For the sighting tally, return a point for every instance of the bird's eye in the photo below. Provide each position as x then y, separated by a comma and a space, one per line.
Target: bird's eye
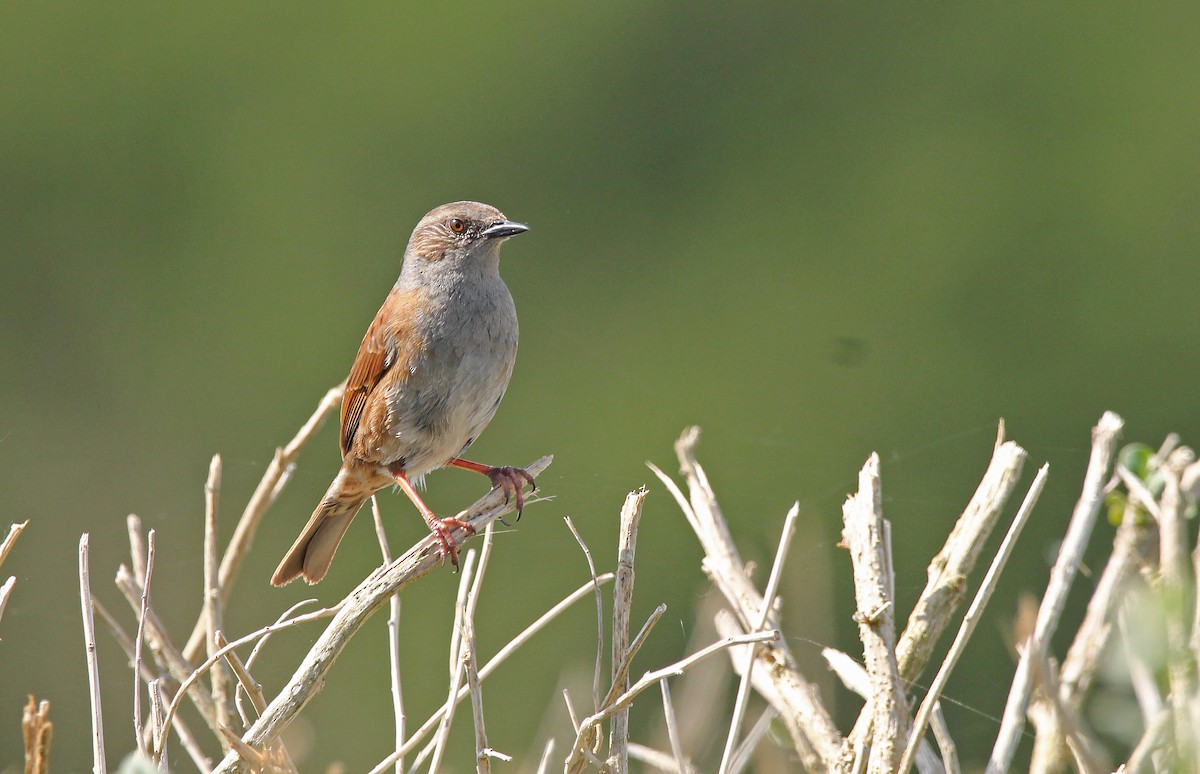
457, 226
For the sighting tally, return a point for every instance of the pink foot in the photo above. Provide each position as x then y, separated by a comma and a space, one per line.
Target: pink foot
441, 530
512, 482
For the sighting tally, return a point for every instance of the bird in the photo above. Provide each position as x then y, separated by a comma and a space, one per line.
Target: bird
430, 373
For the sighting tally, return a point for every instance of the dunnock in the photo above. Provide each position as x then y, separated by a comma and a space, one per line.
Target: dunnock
428, 378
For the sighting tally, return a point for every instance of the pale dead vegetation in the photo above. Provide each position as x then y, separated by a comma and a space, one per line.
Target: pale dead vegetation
901, 724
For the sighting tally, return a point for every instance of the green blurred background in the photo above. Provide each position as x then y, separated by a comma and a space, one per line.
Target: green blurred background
816, 231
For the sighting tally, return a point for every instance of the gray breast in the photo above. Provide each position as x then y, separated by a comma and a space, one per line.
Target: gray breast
456, 385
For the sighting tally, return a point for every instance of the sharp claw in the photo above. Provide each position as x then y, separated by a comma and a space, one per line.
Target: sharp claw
449, 550
511, 481
441, 530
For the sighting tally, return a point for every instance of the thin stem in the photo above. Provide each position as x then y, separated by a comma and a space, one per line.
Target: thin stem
148, 570
393, 626
501, 656
599, 613
743, 694
972, 617
93, 668
1062, 574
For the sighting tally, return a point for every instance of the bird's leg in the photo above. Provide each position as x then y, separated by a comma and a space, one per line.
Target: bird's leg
507, 479
440, 527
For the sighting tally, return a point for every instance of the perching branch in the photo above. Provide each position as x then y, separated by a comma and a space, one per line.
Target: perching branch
370, 595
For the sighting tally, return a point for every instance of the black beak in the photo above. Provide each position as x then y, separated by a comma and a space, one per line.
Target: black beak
503, 229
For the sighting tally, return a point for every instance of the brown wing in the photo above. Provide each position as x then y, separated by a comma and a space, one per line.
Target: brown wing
389, 342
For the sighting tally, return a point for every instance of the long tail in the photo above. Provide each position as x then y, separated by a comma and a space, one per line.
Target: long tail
312, 553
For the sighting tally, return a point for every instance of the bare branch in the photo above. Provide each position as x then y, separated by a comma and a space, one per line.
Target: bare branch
137, 547
743, 694
10, 540
483, 753
571, 713
216, 657
6, 589
354, 611
547, 753
945, 744
1141, 760
654, 758
203, 764
1104, 441
599, 613
741, 756
1177, 589
589, 727
14, 531
864, 535
631, 514
1132, 547
147, 564
281, 761
672, 728
973, 615
949, 570
393, 638
157, 721
164, 650
89, 640
814, 736
213, 614
442, 737
1082, 746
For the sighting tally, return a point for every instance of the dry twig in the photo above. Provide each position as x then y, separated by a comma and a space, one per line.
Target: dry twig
1132, 547
974, 613
757, 732
501, 656
599, 613
1177, 592
672, 728
949, 570
147, 565
213, 615
89, 641
442, 737
631, 514
945, 744
589, 726
38, 731
483, 753
1104, 441
816, 739
743, 694
14, 531
165, 653
6, 545
353, 612
393, 625
865, 535
203, 764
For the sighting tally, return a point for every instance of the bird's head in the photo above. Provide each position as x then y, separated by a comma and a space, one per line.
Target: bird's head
460, 236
